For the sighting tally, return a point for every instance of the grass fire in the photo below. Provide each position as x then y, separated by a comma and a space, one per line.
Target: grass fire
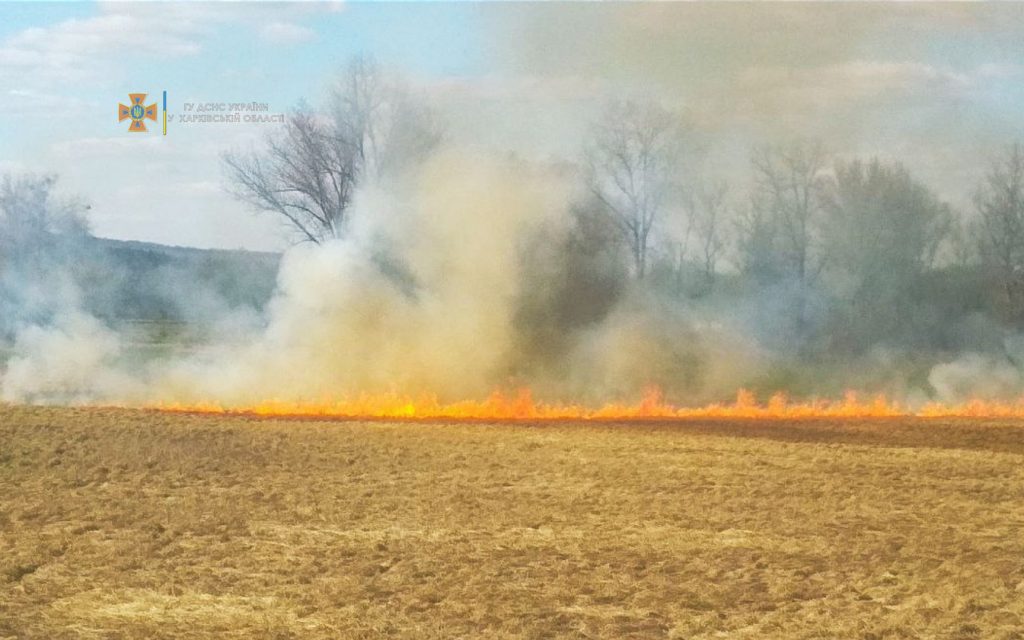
615, 320
521, 406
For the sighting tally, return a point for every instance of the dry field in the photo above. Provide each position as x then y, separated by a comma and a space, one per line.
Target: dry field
130, 524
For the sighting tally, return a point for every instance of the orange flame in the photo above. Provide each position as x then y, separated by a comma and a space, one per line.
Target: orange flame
521, 406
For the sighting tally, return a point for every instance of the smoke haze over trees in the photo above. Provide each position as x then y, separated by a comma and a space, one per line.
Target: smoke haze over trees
440, 268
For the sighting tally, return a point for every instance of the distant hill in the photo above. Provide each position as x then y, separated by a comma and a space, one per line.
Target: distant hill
143, 281
185, 253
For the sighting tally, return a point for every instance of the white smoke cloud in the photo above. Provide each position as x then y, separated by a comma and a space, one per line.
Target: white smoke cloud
981, 375
425, 294
72, 360
418, 298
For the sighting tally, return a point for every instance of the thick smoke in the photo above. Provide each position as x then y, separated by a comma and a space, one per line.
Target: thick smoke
73, 360
468, 269
472, 275
469, 275
419, 298
984, 376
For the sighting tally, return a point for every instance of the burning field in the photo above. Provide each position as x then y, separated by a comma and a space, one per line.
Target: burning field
513, 320
170, 525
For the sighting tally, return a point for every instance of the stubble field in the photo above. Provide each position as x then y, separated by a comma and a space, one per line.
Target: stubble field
133, 524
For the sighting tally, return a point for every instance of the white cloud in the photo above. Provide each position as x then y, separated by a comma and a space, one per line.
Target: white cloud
26, 100
109, 147
79, 49
160, 189
75, 49
12, 167
286, 33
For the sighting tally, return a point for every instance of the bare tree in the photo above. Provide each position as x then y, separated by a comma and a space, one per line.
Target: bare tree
29, 210
789, 188
677, 249
309, 173
43, 246
36, 228
632, 168
756, 237
387, 128
961, 246
707, 213
882, 228
1000, 204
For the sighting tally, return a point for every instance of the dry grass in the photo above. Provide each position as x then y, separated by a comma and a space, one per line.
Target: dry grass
122, 524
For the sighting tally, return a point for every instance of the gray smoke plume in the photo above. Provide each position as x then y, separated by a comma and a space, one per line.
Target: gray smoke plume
497, 253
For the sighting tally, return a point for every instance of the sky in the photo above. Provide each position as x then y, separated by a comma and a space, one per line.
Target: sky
939, 86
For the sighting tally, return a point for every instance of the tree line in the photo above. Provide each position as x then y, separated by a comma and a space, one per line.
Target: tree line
866, 228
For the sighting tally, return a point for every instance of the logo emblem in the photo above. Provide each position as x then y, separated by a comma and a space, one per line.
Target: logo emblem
137, 112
